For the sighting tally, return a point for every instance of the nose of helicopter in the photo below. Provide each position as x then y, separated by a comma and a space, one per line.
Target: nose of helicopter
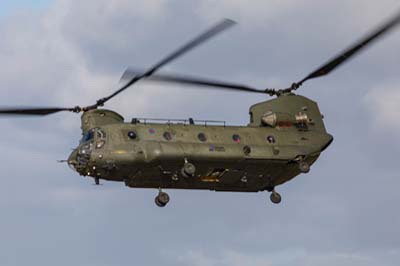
73, 160
79, 158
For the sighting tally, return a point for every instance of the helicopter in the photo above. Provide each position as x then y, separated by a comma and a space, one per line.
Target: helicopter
283, 139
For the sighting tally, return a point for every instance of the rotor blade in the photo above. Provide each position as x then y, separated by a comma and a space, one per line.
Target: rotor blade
221, 26
353, 50
33, 111
128, 74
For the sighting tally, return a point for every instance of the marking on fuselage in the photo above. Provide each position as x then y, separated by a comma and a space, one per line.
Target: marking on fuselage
209, 179
120, 152
217, 148
285, 124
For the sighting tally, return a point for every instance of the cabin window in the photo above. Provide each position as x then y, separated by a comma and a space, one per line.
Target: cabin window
236, 138
132, 135
202, 137
88, 136
100, 134
271, 139
167, 136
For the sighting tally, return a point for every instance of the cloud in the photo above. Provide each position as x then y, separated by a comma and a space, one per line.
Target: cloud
226, 258
51, 54
69, 53
289, 257
383, 105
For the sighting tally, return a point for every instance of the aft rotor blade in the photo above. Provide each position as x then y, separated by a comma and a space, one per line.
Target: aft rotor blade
183, 79
218, 28
353, 50
34, 111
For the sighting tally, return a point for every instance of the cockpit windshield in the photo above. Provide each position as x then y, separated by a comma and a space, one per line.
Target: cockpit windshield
89, 135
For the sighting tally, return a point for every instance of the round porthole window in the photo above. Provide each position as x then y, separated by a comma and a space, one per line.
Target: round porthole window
202, 137
271, 139
167, 136
132, 135
236, 138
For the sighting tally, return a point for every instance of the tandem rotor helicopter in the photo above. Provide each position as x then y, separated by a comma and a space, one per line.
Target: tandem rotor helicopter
284, 137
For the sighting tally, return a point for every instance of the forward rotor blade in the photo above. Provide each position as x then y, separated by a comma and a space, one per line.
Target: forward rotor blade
128, 74
353, 50
34, 111
223, 25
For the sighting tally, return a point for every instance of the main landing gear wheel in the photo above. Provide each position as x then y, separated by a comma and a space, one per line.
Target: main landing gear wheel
188, 170
304, 167
162, 199
275, 197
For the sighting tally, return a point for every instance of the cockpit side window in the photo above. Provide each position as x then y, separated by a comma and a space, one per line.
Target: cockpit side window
97, 133
100, 133
88, 136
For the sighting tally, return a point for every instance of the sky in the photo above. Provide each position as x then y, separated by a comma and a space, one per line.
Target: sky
8, 7
65, 53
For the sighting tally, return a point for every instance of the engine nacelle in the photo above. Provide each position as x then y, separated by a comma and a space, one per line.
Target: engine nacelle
287, 111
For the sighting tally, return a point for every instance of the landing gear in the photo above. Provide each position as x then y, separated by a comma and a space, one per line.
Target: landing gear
275, 197
188, 170
304, 167
161, 199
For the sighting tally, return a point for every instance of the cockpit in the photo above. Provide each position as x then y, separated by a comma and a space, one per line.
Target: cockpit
92, 133
88, 136
80, 158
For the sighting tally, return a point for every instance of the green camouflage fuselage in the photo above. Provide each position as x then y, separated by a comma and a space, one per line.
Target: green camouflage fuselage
255, 157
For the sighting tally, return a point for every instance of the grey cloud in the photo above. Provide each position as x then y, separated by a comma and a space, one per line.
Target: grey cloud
343, 212
297, 256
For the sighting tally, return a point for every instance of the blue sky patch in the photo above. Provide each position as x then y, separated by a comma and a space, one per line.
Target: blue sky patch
9, 6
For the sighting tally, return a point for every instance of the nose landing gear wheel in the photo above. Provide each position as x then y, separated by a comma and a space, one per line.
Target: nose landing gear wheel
275, 197
162, 199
